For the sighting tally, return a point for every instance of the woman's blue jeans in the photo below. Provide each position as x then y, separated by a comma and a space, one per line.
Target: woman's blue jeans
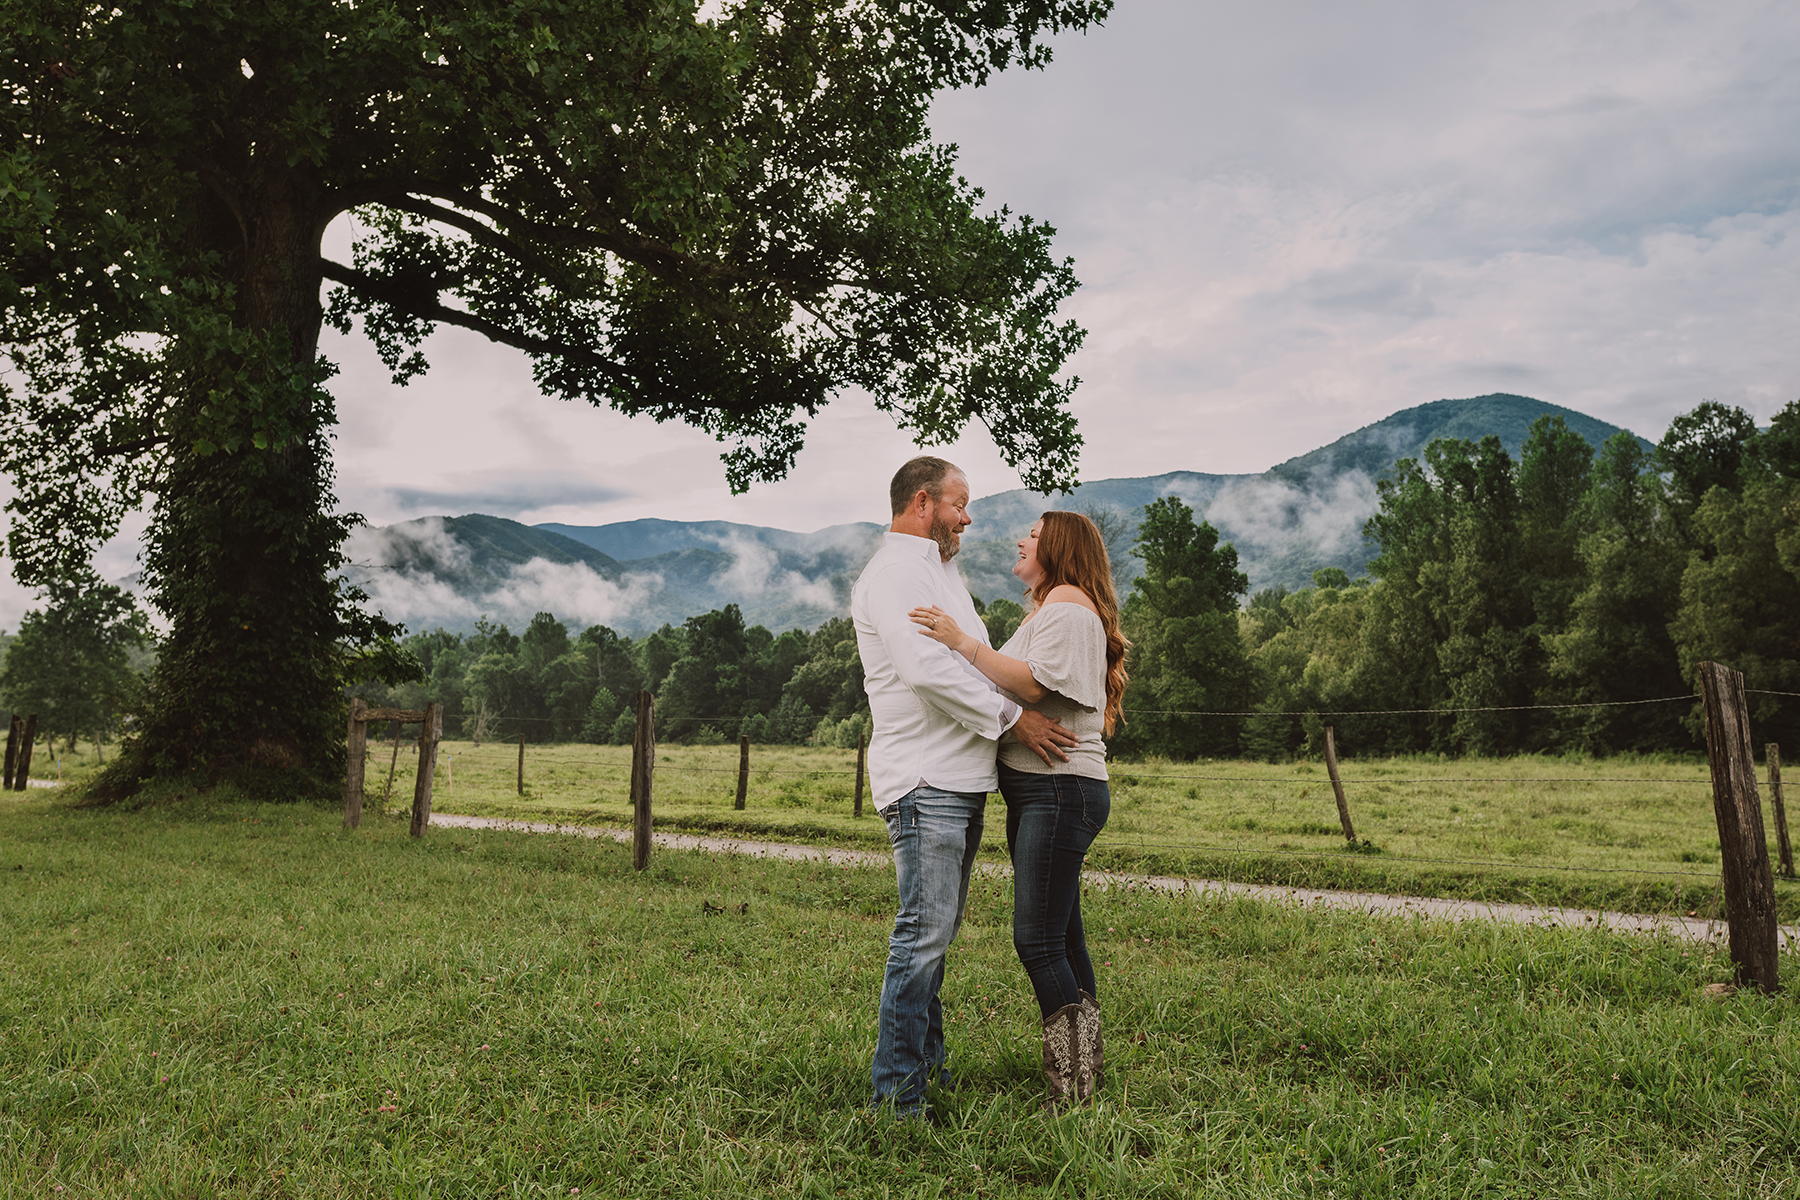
1051, 820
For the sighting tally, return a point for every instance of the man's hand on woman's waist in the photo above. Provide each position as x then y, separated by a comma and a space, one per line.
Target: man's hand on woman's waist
1043, 736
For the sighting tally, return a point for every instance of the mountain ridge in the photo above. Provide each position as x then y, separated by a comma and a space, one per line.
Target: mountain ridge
1301, 514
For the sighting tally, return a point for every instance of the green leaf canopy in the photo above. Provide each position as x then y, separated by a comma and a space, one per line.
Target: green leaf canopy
722, 214
723, 219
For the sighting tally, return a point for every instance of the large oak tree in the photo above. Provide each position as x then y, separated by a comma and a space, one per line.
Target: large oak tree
723, 216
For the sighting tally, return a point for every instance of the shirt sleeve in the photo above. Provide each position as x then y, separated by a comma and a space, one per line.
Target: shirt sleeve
1067, 654
935, 673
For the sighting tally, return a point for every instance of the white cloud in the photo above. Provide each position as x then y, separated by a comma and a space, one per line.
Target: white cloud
410, 571
756, 574
1273, 517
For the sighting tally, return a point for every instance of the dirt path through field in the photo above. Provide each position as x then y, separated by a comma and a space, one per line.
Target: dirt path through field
1366, 902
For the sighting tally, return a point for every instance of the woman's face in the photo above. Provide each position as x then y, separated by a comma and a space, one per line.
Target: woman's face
1027, 568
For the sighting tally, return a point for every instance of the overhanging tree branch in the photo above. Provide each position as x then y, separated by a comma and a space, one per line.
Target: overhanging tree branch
406, 300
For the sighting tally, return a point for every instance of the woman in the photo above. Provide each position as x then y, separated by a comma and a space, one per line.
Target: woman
1067, 661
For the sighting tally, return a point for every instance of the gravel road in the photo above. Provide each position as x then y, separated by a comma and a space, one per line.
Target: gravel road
1366, 902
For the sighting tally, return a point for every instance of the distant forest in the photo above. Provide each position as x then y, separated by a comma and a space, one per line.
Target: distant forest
1552, 604
1570, 577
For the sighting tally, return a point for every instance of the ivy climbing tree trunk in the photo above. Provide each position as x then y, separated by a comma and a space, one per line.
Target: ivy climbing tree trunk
242, 550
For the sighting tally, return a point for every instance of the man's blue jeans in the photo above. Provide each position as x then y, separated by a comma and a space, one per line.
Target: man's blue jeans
935, 836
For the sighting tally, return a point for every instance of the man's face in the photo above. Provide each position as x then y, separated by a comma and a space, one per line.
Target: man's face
950, 516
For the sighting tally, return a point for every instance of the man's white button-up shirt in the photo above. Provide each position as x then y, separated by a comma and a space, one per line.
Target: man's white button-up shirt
937, 719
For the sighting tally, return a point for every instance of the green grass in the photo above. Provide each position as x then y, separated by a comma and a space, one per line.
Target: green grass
1630, 834
216, 999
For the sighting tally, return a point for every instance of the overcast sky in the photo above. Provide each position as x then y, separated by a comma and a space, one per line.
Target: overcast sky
1290, 219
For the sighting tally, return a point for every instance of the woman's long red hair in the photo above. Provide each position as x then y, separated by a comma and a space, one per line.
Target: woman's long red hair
1070, 550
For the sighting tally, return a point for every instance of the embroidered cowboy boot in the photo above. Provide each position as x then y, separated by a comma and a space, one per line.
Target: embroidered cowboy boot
1091, 1041
1062, 1056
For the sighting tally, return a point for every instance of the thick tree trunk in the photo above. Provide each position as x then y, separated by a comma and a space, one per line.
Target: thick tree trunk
242, 553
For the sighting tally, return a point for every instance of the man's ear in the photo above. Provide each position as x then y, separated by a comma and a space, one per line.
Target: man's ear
921, 505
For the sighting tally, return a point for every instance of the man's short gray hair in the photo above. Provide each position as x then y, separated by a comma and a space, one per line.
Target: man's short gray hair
925, 473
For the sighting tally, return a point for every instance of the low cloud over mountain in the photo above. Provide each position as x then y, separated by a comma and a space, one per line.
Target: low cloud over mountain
1287, 522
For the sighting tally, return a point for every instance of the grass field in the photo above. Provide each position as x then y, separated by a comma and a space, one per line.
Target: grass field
1621, 833
219, 999
1615, 833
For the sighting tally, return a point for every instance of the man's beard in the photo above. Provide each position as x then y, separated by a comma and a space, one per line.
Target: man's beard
944, 534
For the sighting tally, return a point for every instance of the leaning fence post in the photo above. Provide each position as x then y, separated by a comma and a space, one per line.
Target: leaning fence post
1773, 753
862, 750
743, 770
12, 749
1743, 846
22, 768
1337, 785
393, 764
521, 764
356, 743
431, 731
643, 770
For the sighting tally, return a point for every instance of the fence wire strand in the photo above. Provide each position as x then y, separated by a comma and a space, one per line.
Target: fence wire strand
1386, 857
1403, 712
1124, 776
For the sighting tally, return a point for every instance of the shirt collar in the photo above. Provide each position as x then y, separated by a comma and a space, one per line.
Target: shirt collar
907, 543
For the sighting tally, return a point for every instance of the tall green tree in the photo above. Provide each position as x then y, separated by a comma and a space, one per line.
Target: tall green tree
617, 681
1397, 666
1776, 450
1186, 657
1453, 625
724, 219
706, 683
1738, 601
828, 685
1615, 645
1742, 576
1488, 654
1302, 660
1556, 467
1701, 450
71, 662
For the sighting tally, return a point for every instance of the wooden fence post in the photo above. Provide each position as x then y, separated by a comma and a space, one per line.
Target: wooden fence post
862, 754
643, 771
431, 731
1744, 847
1773, 752
743, 770
356, 742
521, 764
12, 749
393, 764
22, 767
1337, 785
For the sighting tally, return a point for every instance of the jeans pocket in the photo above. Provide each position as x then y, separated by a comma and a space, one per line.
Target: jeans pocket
902, 819
1096, 805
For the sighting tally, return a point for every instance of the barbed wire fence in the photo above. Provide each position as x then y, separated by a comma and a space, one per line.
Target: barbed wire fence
608, 771
1746, 881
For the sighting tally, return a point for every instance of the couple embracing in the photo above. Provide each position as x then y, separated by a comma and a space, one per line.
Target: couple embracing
954, 718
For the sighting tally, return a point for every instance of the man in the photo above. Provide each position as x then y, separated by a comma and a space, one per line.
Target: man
931, 760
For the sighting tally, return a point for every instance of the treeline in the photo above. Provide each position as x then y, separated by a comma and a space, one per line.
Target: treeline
1568, 577
79, 663
714, 679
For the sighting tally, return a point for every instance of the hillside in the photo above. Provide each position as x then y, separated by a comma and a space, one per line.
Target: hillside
454, 571
1305, 513
1294, 518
